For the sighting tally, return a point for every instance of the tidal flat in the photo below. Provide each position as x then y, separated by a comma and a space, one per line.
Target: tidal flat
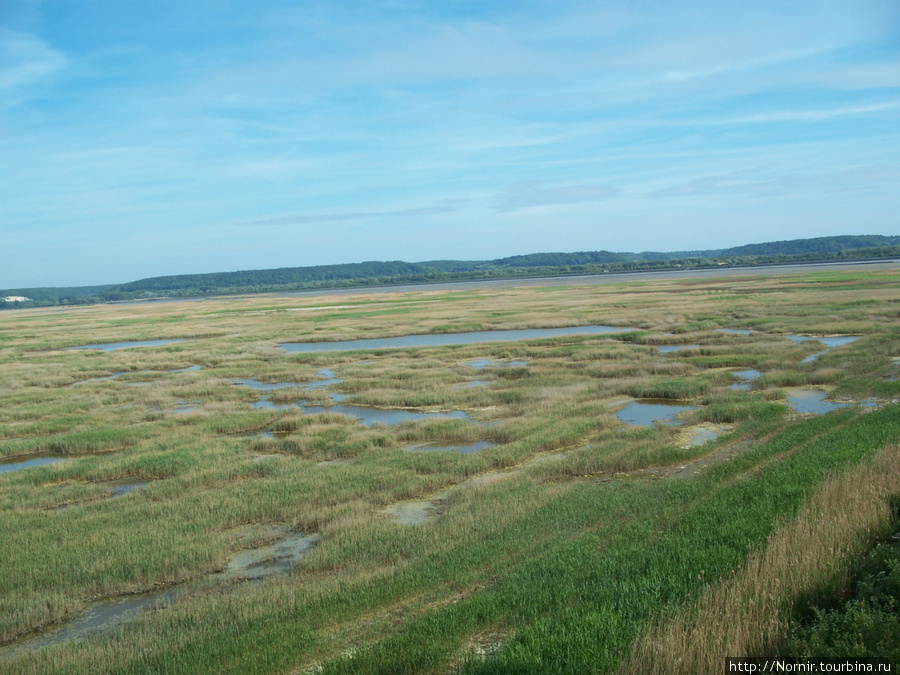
550, 533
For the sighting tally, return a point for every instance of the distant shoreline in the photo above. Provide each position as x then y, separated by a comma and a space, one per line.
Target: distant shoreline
549, 280
595, 279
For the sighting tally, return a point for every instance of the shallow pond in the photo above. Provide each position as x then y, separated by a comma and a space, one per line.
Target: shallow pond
16, 463
829, 342
110, 346
649, 411
747, 377
812, 401
734, 331
480, 364
447, 339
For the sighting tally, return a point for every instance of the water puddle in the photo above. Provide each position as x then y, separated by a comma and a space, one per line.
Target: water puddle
435, 447
747, 377
701, 435
256, 385
667, 349
473, 383
647, 412
120, 488
104, 616
111, 346
416, 512
734, 331
812, 401
838, 341
447, 339
327, 379
481, 364
16, 463
278, 557
368, 416
829, 342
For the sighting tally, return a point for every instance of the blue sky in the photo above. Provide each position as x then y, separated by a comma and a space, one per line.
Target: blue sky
143, 138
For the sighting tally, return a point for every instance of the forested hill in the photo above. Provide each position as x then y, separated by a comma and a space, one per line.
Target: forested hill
277, 277
375, 273
817, 245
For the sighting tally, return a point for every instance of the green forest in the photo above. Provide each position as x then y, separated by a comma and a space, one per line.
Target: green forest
385, 273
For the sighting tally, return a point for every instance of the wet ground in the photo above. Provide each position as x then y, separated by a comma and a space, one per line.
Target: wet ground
104, 616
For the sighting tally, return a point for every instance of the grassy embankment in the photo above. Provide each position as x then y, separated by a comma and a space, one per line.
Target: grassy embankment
552, 565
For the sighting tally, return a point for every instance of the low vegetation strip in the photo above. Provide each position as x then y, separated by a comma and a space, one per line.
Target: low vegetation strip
747, 614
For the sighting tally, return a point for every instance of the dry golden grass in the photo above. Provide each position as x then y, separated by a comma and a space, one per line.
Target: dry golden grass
744, 615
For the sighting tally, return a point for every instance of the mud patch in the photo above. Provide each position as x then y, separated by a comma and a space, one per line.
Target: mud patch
418, 511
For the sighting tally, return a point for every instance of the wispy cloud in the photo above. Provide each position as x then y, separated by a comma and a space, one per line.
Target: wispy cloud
819, 115
754, 182
529, 193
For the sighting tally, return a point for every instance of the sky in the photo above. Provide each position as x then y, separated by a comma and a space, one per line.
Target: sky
144, 138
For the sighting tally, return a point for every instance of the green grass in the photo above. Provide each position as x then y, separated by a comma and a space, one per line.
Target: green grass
550, 566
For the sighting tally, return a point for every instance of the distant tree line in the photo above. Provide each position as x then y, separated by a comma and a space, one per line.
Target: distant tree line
385, 273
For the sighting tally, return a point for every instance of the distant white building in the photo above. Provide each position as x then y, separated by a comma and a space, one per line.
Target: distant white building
16, 298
